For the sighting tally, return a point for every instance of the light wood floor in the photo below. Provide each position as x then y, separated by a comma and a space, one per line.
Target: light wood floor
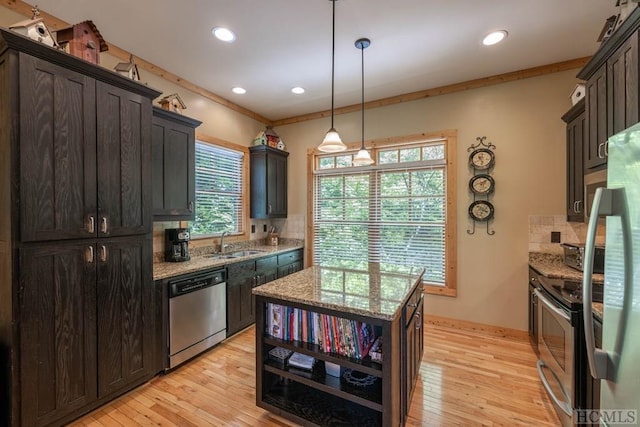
465, 379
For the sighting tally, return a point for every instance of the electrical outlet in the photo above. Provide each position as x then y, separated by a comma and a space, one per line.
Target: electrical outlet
264, 227
555, 237
253, 228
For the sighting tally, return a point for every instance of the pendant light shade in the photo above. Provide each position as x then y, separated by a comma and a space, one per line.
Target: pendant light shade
362, 158
332, 142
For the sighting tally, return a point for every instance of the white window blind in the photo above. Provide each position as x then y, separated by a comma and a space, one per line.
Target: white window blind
219, 201
392, 213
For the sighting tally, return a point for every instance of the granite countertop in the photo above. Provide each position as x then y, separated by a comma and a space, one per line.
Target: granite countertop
162, 270
551, 265
368, 293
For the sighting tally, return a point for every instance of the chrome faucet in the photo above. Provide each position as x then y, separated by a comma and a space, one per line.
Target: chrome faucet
223, 247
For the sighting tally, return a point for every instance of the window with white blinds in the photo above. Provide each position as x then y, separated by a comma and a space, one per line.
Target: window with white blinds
219, 195
393, 213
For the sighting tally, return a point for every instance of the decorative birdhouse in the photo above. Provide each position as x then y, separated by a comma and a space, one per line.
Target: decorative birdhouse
128, 69
82, 40
173, 103
35, 29
260, 139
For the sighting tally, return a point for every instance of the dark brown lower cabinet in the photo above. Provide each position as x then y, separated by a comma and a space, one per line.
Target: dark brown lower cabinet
86, 325
125, 314
242, 277
58, 361
240, 310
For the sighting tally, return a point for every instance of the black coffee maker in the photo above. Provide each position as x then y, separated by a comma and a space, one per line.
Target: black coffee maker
176, 244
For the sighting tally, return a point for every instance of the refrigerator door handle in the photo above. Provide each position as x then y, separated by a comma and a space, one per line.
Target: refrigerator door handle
606, 202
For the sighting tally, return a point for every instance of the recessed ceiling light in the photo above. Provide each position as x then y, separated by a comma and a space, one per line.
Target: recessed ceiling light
297, 90
239, 90
494, 37
224, 34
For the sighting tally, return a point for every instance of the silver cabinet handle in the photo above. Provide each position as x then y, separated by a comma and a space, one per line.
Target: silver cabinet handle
599, 154
190, 207
576, 206
564, 406
104, 225
91, 224
606, 149
89, 255
419, 320
103, 253
270, 210
606, 202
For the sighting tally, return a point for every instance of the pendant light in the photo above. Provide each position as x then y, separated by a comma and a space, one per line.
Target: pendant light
332, 142
362, 158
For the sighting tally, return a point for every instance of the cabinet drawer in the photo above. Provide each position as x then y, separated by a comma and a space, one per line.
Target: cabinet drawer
289, 257
412, 304
241, 269
267, 263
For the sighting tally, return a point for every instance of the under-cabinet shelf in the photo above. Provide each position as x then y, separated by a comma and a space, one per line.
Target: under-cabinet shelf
370, 396
310, 405
365, 365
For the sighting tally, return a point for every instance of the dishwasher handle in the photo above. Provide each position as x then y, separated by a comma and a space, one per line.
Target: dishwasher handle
195, 282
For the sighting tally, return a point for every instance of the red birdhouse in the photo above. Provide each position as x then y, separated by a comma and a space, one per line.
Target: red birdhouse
83, 40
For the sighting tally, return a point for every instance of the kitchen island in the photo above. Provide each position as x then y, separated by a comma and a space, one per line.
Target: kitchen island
332, 315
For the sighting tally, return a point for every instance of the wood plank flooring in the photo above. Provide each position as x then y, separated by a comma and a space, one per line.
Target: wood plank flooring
466, 379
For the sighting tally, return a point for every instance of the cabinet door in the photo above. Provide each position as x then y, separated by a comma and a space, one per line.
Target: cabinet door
240, 312
57, 152
173, 170
124, 161
126, 344
575, 169
596, 113
268, 182
57, 331
415, 348
276, 185
622, 86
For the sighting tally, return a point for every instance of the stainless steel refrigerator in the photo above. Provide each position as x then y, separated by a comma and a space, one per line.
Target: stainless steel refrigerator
617, 363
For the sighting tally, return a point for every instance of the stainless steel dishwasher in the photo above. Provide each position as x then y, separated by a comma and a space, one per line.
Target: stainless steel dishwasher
197, 314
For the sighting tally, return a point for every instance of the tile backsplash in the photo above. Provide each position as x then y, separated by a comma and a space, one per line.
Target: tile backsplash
541, 226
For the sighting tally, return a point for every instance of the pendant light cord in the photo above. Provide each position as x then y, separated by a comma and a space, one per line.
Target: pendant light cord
362, 50
333, 56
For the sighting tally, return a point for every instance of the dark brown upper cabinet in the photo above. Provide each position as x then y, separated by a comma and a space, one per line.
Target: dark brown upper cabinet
84, 155
612, 102
173, 166
268, 182
575, 120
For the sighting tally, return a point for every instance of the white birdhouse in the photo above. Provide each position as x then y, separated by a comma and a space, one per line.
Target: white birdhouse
35, 30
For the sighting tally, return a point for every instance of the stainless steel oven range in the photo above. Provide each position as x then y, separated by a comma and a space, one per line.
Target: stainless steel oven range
562, 354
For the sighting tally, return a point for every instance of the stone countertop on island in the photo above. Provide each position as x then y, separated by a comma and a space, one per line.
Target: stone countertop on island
367, 293
163, 270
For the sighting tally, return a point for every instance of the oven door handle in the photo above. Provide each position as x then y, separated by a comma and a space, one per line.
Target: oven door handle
551, 305
564, 406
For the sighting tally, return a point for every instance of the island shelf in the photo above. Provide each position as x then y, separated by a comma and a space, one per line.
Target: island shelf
367, 392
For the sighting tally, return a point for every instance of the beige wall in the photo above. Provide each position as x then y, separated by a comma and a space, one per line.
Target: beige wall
522, 119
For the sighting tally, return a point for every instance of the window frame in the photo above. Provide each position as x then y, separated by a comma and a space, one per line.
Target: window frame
449, 137
221, 143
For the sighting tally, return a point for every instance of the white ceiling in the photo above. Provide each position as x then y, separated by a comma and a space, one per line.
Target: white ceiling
415, 44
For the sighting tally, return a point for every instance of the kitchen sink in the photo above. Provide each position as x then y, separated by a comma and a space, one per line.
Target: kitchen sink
232, 255
245, 253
